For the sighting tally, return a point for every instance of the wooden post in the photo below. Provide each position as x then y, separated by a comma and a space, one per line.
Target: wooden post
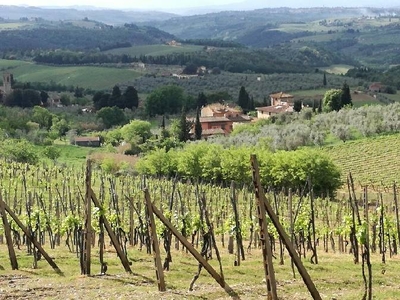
154, 242
264, 236
114, 240
396, 207
87, 240
7, 233
238, 231
195, 253
32, 239
285, 238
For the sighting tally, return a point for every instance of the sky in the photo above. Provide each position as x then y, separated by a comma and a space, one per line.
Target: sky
138, 4
181, 5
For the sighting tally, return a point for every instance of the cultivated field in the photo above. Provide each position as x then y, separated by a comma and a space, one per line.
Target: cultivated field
155, 50
84, 76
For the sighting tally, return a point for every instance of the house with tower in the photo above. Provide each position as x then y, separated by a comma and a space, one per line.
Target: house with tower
7, 84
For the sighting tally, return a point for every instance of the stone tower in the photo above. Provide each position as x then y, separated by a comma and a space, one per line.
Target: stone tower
7, 82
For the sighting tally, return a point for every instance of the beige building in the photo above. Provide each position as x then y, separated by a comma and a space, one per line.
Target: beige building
280, 103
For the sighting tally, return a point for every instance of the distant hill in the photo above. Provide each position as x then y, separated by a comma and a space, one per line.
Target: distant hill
243, 26
108, 16
76, 36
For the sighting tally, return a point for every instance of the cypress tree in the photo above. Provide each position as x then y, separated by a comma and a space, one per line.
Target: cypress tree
197, 126
244, 99
346, 96
184, 127
324, 81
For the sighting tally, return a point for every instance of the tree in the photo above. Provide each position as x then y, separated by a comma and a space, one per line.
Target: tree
346, 96
184, 127
201, 100
197, 126
190, 69
243, 99
100, 100
297, 105
60, 127
324, 80
111, 116
78, 93
23, 98
43, 117
332, 100
52, 152
131, 98
65, 99
137, 131
167, 99
116, 97
218, 97
44, 97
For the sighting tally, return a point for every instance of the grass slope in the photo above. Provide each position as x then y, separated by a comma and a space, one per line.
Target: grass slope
84, 76
370, 160
155, 50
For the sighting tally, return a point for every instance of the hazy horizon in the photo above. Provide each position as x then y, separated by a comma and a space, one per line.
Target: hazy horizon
177, 5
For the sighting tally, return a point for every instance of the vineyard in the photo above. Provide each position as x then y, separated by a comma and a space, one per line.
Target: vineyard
220, 222
372, 161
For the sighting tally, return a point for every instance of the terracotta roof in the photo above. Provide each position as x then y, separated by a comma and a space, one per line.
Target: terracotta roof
213, 119
281, 95
87, 139
275, 109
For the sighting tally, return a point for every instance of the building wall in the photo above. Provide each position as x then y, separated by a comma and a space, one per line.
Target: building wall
263, 115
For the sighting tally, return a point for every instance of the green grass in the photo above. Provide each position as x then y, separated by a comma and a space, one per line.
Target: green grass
395, 97
71, 155
371, 160
155, 50
335, 277
84, 76
10, 26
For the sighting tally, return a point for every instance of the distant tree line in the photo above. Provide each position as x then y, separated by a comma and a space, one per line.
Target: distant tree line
212, 43
128, 99
79, 38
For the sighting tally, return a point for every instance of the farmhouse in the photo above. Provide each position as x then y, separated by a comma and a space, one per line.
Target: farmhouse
375, 87
281, 98
220, 119
280, 103
87, 141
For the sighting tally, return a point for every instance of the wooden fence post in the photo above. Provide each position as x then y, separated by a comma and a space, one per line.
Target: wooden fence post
281, 231
7, 233
154, 242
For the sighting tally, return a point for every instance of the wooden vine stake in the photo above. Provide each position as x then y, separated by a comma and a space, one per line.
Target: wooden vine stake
7, 232
366, 258
260, 195
264, 236
154, 242
238, 232
195, 253
87, 234
29, 236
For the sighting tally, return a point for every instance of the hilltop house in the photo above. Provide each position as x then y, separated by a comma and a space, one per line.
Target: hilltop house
220, 119
280, 103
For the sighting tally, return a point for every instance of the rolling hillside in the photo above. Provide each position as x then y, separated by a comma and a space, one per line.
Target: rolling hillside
372, 161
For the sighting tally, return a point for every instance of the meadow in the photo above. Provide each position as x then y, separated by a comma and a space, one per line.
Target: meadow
98, 78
